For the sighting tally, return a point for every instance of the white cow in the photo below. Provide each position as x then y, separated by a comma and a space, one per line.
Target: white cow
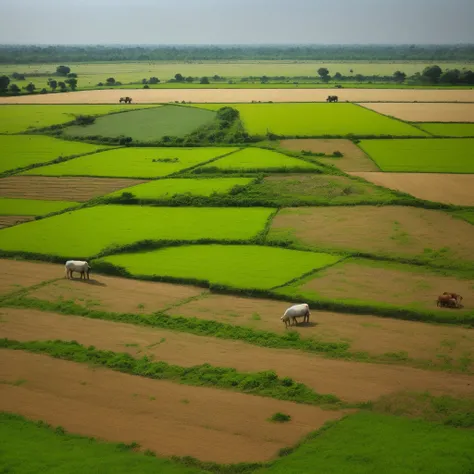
77, 266
296, 311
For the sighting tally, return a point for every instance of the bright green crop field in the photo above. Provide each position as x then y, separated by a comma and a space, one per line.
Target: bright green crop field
166, 188
147, 125
19, 151
259, 159
368, 443
450, 155
31, 207
239, 266
86, 232
18, 118
300, 120
448, 129
133, 162
28, 448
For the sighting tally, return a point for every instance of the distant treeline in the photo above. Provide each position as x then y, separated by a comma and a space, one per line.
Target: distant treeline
24, 54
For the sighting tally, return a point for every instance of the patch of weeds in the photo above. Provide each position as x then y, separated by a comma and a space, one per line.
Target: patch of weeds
185, 401
133, 344
397, 356
151, 346
256, 317
152, 398
133, 446
141, 306
280, 418
60, 430
149, 452
448, 343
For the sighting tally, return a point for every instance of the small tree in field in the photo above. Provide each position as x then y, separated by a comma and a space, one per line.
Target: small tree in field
179, 77
110, 81
204, 80
52, 84
62, 86
324, 74
4, 82
189, 79
14, 89
72, 83
153, 80
30, 88
399, 76
63, 70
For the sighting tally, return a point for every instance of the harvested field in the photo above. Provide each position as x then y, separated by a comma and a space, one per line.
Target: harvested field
7, 221
446, 188
354, 158
16, 275
50, 188
428, 112
156, 96
429, 235
370, 334
363, 281
351, 381
116, 294
126, 408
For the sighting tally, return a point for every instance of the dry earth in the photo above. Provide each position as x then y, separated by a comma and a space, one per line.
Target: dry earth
168, 418
427, 112
354, 158
244, 95
355, 281
446, 188
351, 381
7, 221
60, 189
404, 231
117, 294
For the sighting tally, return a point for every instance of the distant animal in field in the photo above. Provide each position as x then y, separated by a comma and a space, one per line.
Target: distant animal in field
77, 266
457, 297
127, 100
447, 301
332, 98
294, 312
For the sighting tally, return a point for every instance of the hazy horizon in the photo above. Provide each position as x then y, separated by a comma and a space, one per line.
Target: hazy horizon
243, 22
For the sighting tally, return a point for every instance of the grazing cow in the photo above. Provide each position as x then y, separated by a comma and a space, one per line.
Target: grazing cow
332, 98
446, 300
457, 297
296, 311
77, 266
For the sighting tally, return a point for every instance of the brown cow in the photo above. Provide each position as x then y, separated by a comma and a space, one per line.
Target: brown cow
457, 297
446, 300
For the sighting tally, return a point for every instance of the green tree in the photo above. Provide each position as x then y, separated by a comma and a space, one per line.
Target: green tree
324, 74
18, 77
4, 82
62, 86
189, 79
153, 80
451, 76
72, 83
14, 89
204, 80
399, 76
53, 84
338, 76
179, 77
72, 74
30, 88
63, 70
432, 74
110, 81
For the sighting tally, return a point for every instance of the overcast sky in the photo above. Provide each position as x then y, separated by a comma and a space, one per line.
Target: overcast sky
236, 21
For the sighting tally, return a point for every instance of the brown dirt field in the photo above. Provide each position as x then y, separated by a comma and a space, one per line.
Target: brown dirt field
427, 112
351, 381
170, 419
16, 275
354, 158
7, 221
387, 283
404, 231
244, 95
446, 188
117, 294
72, 189
370, 334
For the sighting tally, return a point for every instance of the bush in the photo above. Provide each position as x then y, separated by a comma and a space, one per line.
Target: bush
84, 120
280, 418
338, 154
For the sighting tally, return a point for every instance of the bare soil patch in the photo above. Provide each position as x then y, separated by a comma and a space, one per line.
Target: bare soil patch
7, 221
354, 158
404, 231
59, 189
168, 418
117, 294
446, 188
16, 275
387, 283
427, 112
370, 334
244, 95
351, 381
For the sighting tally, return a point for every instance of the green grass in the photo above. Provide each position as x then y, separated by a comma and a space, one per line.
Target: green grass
18, 118
19, 151
368, 443
101, 227
238, 266
167, 188
34, 447
448, 129
299, 120
147, 125
259, 159
133, 162
465, 214
436, 155
31, 207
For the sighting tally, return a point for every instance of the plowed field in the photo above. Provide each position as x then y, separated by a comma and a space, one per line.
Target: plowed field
7, 221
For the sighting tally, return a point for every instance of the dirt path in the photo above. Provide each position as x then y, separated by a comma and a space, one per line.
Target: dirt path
168, 418
7, 221
244, 95
350, 381
74, 189
427, 112
446, 188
